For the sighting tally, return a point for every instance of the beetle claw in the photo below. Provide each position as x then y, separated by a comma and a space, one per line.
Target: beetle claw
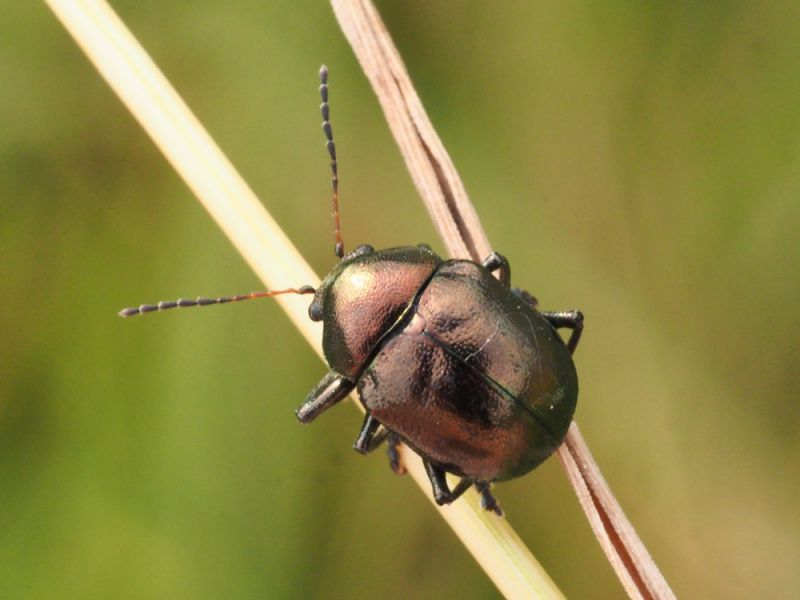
488, 501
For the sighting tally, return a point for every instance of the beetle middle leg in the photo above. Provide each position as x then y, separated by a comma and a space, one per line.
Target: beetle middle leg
498, 262
371, 436
571, 319
441, 491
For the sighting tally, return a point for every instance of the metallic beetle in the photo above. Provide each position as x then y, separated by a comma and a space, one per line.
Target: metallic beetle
447, 359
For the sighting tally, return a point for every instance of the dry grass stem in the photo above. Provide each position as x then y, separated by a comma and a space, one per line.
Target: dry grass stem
639, 574
430, 166
151, 99
144, 90
455, 218
155, 104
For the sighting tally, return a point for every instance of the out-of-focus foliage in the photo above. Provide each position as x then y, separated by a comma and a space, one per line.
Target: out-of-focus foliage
640, 161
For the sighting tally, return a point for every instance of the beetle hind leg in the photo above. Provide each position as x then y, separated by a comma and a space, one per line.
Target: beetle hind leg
571, 319
441, 491
332, 389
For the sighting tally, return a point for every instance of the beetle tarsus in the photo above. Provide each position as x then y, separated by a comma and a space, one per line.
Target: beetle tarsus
328, 392
441, 490
488, 501
369, 438
395, 461
571, 319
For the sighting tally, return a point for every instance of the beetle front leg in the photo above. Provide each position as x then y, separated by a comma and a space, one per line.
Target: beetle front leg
441, 491
571, 319
498, 262
329, 391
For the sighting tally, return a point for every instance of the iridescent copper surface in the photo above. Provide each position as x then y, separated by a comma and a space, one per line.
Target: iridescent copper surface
361, 307
474, 379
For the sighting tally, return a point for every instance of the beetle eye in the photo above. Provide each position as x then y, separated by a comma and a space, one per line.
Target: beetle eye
315, 310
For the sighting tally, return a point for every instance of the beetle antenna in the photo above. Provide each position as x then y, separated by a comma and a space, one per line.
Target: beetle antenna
326, 127
186, 302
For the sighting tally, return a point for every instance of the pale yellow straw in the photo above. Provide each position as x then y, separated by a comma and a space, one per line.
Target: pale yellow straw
156, 105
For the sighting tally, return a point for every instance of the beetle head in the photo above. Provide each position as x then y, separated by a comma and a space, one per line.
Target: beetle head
315, 311
362, 298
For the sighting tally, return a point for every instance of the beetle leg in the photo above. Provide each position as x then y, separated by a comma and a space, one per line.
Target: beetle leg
369, 438
441, 491
488, 501
571, 319
498, 262
395, 462
525, 296
328, 392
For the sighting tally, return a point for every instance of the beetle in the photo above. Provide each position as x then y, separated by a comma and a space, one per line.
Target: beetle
446, 357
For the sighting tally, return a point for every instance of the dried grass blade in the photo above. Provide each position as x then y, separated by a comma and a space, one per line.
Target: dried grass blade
456, 220
156, 105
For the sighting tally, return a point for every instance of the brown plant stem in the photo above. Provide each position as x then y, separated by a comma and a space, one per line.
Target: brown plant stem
456, 220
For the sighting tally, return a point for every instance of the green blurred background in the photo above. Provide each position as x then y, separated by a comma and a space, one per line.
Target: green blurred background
640, 161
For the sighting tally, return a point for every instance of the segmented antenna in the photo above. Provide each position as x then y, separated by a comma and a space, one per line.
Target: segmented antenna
187, 302
326, 127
